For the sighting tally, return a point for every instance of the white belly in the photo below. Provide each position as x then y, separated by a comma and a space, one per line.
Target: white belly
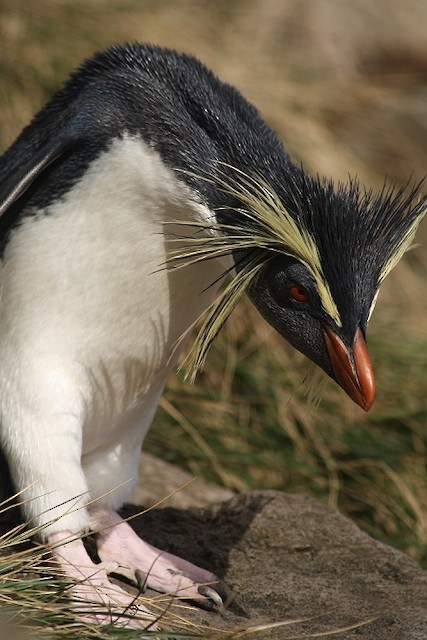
90, 315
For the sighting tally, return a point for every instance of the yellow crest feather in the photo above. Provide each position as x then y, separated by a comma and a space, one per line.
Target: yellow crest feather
270, 229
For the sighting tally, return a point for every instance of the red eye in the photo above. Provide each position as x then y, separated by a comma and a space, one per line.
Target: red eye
299, 293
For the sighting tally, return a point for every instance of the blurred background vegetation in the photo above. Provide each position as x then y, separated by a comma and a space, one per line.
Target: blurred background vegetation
345, 85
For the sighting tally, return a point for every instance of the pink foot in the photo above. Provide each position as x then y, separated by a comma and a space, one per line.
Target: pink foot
92, 588
148, 566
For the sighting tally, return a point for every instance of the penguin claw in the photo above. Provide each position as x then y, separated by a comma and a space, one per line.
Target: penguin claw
215, 596
135, 577
109, 567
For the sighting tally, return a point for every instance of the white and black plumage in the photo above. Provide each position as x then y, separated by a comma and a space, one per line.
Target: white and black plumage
125, 202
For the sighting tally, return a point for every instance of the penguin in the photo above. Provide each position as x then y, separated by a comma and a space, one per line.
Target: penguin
144, 185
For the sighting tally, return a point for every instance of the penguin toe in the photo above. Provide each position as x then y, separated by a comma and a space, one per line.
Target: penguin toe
216, 596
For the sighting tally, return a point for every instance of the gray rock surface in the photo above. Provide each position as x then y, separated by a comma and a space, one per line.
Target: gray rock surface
289, 557
159, 480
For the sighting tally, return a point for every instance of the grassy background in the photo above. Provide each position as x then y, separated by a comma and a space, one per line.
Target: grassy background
345, 85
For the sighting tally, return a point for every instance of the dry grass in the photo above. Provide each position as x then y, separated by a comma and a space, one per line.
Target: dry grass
345, 89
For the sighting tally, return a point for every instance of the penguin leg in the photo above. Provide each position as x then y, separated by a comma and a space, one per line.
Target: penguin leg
146, 565
96, 598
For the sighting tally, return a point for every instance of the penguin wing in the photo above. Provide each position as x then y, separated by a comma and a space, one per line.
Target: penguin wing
56, 134
18, 180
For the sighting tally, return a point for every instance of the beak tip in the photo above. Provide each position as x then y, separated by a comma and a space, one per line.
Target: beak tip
367, 404
363, 398
357, 380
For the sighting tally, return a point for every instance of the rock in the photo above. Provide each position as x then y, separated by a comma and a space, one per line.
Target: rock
159, 479
289, 557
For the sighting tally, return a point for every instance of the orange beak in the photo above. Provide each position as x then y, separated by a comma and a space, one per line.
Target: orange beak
353, 370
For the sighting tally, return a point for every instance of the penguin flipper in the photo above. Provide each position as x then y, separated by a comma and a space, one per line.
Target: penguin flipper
19, 181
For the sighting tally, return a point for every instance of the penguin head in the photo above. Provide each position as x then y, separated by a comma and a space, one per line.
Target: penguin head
312, 257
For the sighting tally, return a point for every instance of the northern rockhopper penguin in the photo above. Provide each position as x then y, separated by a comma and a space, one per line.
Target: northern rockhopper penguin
142, 186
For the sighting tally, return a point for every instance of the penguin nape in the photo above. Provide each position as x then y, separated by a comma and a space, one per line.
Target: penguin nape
142, 185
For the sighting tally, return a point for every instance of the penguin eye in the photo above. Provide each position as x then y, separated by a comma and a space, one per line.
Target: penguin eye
299, 293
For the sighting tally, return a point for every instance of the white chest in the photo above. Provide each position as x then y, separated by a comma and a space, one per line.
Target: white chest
87, 297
